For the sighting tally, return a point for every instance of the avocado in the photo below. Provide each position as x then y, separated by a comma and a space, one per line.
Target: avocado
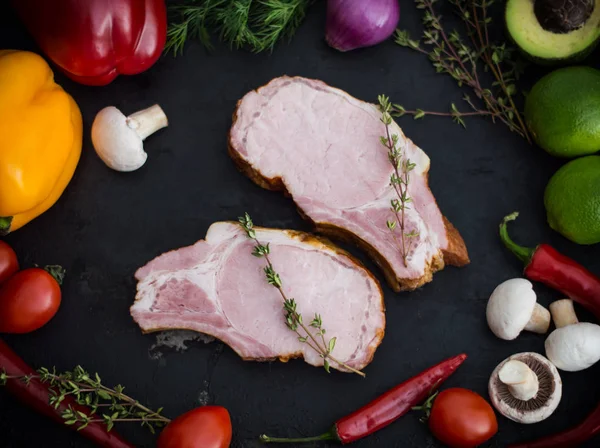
554, 31
562, 111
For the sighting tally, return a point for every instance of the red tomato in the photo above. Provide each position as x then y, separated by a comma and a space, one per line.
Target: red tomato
28, 300
460, 418
204, 427
8, 262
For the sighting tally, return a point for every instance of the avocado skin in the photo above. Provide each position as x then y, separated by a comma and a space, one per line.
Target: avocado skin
562, 111
575, 58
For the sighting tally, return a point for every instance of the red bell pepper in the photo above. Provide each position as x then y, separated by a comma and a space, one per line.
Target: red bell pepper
93, 41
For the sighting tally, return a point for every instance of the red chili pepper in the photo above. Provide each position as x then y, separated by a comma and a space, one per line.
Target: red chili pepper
387, 408
570, 438
36, 394
546, 265
93, 41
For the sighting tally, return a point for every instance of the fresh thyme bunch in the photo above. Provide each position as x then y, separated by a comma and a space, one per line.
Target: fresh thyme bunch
464, 61
314, 338
399, 180
87, 390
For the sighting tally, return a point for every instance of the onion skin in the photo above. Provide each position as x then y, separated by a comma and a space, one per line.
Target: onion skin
355, 24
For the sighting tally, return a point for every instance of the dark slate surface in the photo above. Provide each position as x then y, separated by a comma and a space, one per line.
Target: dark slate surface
107, 224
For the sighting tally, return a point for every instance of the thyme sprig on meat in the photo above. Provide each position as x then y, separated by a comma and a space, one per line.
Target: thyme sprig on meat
110, 403
314, 334
450, 53
399, 180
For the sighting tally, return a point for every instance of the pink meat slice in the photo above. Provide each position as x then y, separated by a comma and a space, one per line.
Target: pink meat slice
323, 147
218, 287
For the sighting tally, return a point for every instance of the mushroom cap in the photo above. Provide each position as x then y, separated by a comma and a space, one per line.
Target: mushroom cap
539, 407
115, 142
510, 307
574, 347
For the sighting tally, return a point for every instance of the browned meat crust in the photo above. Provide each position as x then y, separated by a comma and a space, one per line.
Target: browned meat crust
455, 255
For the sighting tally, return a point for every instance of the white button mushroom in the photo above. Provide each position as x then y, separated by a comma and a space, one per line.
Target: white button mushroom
574, 345
513, 308
526, 388
119, 140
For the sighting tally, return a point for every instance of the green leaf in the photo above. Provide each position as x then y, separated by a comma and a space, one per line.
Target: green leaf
326, 366
419, 114
103, 394
332, 344
302, 339
511, 89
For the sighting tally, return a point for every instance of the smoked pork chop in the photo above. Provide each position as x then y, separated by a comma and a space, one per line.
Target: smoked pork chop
322, 147
219, 288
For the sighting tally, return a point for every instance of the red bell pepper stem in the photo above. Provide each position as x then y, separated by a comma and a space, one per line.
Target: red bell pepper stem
546, 265
575, 436
387, 408
36, 395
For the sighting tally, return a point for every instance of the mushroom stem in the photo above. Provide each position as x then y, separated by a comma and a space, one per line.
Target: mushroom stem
522, 382
540, 320
146, 122
563, 313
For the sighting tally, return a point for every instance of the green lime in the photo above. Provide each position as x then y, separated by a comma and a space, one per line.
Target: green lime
572, 200
563, 112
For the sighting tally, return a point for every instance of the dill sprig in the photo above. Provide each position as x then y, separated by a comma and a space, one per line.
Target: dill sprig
254, 24
399, 180
315, 338
451, 54
107, 405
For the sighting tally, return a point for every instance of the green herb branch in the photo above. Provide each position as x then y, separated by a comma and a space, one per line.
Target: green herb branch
88, 390
450, 54
254, 24
399, 180
314, 338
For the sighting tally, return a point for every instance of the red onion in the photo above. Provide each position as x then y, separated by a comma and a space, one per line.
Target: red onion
360, 23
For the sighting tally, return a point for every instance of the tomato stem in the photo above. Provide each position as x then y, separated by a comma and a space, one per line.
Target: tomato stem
426, 406
5, 222
56, 271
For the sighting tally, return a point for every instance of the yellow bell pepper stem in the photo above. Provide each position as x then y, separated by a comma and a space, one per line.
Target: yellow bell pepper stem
40, 138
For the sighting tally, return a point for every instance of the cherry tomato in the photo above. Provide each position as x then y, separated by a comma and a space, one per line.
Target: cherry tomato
28, 300
8, 262
460, 418
204, 427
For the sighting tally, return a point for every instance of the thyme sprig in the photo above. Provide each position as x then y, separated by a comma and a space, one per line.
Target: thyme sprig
314, 334
254, 24
107, 405
451, 54
399, 180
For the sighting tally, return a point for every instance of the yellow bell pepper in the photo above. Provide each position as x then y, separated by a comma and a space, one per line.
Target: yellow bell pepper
40, 138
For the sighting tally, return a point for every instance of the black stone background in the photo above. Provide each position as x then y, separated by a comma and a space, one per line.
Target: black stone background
107, 224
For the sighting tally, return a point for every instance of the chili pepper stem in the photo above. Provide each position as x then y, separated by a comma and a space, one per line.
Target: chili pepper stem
523, 253
5, 223
330, 435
